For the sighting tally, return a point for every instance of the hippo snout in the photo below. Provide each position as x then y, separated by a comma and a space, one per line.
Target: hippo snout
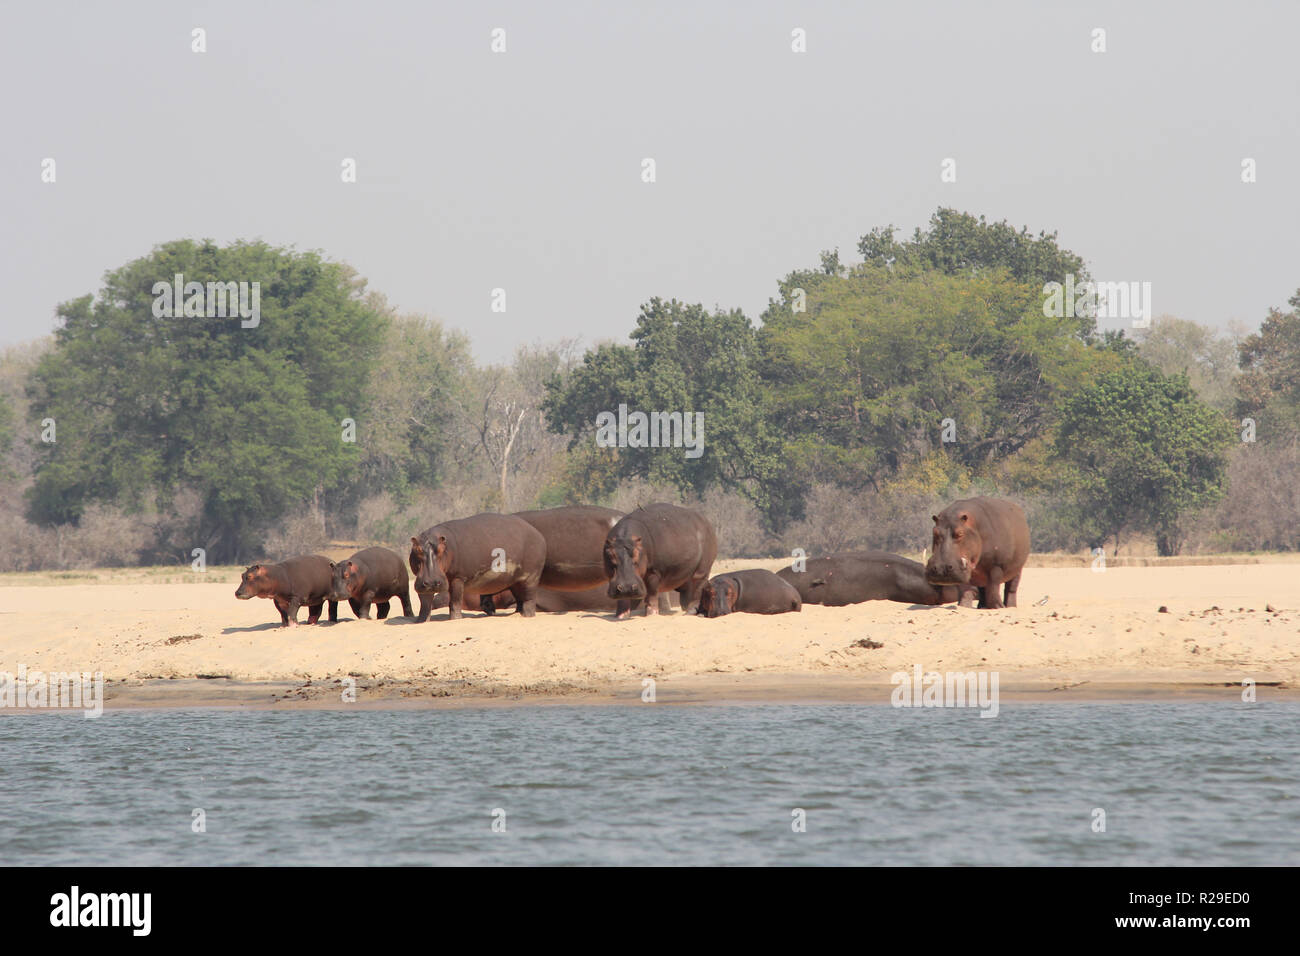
948, 571
626, 589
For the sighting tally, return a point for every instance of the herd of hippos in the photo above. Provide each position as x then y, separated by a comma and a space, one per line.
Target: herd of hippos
586, 558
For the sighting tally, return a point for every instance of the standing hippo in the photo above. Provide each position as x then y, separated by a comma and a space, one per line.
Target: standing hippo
291, 584
372, 575
856, 576
754, 591
980, 545
470, 557
660, 547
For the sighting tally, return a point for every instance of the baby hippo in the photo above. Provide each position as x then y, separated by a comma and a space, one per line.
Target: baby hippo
291, 584
754, 591
373, 575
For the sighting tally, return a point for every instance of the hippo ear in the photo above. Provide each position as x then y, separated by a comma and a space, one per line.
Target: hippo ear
415, 543
332, 565
936, 518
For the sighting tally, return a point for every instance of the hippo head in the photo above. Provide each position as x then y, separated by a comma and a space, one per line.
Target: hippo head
718, 597
957, 548
625, 566
346, 577
255, 582
429, 560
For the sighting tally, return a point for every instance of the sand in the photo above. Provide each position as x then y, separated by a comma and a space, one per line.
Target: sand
182, 639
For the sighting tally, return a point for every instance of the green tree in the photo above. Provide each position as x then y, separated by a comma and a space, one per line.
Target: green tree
958, 243
1146, 450
1268, 389
861, 382
248, 417
683, 358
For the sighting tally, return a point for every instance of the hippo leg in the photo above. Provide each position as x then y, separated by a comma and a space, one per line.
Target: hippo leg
334, 612
364, 613
487, 604
1012, 586
426, 605
993, 590
664, 606
456, 599
406, 604
525, 599
313, 612
381, 609
690, 595
356, 607
968, 594
652, 582
282, 606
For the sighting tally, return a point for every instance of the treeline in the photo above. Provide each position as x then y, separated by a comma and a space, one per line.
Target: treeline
870, 393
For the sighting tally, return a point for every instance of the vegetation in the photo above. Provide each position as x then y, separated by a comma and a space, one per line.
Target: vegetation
866, 394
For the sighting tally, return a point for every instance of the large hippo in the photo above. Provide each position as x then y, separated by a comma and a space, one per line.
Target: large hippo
372, 576
754, 591
855, 576
980, 545
660, 547
470, 557
575, 542
291, 584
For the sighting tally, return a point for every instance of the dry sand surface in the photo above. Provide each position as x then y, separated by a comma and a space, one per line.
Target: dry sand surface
181, 639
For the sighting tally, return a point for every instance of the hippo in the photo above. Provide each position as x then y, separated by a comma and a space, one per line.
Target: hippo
372, 575
980, 546
575, 540
856, 576
291, 584
660, 547
754, 592
470, 557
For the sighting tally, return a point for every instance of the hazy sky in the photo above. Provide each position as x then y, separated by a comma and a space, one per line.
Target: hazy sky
522, 170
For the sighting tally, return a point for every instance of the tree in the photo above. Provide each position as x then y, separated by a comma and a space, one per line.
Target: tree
684, 359
249, 417
1208, 358
1268, 389
1147, 451
861, 383
957, 243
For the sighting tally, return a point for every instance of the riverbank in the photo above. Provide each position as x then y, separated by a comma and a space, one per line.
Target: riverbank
1078, 634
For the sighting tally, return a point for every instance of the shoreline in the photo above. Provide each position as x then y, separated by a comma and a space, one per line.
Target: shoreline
1142, 633
222, 694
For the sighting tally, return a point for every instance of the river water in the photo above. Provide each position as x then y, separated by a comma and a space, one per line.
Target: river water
1179, 783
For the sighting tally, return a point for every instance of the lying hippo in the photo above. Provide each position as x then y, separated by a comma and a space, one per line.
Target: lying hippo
372, 576
980, 546
470, 557
855, 576
754, 592
592, 599
660, 547
307, 580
